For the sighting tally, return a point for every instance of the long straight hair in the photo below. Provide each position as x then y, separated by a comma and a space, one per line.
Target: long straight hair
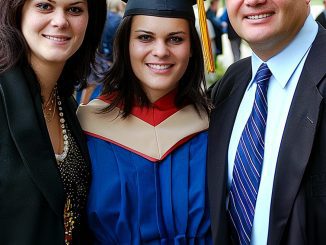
121, 81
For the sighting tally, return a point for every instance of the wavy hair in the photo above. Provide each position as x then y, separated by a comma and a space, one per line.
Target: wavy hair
14, 49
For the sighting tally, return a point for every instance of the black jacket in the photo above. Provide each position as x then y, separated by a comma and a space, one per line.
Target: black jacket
321, 19
31, 191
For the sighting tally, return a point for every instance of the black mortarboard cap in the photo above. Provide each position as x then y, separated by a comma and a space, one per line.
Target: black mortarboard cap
161, 8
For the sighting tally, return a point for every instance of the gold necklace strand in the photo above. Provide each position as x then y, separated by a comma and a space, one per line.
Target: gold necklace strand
49, 107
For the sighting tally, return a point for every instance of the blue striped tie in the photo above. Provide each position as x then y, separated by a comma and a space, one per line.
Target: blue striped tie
248, 163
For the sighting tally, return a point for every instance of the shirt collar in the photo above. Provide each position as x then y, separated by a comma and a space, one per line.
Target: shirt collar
291, 56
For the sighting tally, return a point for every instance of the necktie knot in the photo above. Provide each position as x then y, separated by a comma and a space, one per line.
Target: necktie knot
263, 75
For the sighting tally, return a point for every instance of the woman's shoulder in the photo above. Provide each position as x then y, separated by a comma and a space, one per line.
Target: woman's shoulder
95, 120
94, 113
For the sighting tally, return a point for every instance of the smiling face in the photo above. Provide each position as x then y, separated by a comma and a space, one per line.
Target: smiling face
267, 25
54, 29
160, 49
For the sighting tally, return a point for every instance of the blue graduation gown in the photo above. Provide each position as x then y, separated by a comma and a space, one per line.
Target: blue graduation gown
135, 199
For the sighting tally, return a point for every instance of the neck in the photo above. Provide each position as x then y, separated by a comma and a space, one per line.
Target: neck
48, 76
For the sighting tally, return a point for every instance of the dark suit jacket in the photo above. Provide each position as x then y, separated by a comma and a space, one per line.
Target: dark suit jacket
321, 19
31, 192
298, 205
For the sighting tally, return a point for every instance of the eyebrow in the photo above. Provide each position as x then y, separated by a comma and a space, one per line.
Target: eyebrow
74, 3
177, 33
170, 34
78, 2
147, 32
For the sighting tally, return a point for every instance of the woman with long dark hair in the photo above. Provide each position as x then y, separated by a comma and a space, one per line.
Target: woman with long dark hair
46, 48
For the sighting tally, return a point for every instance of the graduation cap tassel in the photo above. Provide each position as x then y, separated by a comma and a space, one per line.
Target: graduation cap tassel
206, 44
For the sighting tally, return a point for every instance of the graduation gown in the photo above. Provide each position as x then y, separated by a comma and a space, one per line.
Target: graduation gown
149, 180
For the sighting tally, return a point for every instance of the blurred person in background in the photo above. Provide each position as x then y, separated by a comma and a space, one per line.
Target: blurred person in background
113, 19
218, 25
234, 38
104, 57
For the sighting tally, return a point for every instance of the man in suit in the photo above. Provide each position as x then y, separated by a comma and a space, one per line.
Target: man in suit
321, 18
290, 204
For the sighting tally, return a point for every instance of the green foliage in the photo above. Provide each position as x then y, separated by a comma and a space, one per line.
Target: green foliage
217, 75
316, 2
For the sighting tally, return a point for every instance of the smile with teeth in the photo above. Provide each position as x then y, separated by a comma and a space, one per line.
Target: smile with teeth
159, 67
259, 16
58, 39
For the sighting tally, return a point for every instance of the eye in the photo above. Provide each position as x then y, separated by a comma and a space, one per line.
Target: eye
176, 39
44, 6
75, 10
145, 38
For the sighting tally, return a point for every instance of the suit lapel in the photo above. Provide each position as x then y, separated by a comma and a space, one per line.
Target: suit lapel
297, 140
220, 129
31, 137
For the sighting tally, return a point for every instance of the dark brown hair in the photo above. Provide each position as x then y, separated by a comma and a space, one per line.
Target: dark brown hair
14, 49
121, 81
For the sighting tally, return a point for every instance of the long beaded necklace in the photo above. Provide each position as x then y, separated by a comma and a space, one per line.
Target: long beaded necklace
69, 220
68, 215
49, 109
63, 155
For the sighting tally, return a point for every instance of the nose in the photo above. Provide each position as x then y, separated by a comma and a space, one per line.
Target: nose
59, 19
160, 49
254, 2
